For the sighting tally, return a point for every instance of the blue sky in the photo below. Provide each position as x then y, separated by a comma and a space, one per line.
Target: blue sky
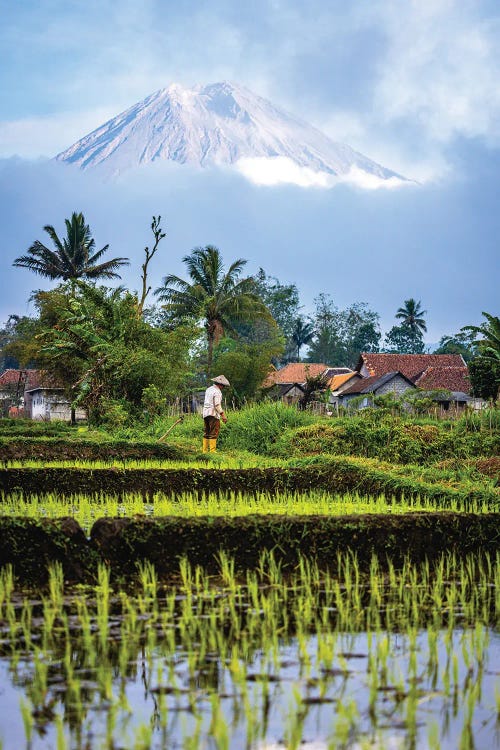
413, 85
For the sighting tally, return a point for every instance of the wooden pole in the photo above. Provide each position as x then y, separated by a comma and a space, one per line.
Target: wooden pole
170, 428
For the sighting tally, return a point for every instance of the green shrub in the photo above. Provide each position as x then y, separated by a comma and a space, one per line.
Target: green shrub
389, 438
257, 428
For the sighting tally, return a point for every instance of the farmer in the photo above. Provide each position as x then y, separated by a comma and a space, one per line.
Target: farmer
213, 413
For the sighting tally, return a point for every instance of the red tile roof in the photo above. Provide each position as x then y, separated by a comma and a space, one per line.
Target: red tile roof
9, 379
411, 365
294, 372
449, 378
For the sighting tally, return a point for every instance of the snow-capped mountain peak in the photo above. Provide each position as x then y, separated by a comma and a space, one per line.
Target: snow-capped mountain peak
223, 124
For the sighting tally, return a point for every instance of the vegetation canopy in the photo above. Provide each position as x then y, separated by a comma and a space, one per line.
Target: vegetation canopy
74, 256
218, 297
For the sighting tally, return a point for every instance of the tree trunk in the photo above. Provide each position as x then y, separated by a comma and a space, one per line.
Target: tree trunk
210, 355
214, 335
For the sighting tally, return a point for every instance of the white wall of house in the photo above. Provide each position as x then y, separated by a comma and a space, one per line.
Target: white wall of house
49, 404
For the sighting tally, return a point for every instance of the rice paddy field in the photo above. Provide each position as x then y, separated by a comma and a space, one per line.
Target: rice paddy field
86, 509
400, 658
378, 654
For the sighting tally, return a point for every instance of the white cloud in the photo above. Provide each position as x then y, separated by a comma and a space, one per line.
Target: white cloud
357, 177
32, 137
441, 69
281, 170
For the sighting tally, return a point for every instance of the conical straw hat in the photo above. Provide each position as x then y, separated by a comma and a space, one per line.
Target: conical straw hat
220, 380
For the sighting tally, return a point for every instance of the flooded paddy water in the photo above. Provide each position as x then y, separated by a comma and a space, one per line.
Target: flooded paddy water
380, 657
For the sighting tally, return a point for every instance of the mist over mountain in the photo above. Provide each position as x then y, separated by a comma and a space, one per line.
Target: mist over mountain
224, 124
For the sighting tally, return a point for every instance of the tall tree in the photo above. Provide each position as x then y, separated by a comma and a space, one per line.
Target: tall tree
342, 334
105, 355
403, 340
484, 369
8, 334
213, 295
411, 315
303, 333
245, 364
489, 344
407, 337
326, 346
359, 332
74, 256
282, 301
158, 235
463, 343
18, 346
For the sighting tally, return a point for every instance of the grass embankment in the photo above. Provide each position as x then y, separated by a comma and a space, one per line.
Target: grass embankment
30, 546
269, 429
265, 448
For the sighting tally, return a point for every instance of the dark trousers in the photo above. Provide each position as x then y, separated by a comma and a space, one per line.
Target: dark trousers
212, 427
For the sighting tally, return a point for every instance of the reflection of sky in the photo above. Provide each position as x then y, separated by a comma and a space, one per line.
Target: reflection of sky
447, 713
413, 86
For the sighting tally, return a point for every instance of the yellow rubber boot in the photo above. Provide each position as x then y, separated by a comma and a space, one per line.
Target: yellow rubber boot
205, 448
212, 445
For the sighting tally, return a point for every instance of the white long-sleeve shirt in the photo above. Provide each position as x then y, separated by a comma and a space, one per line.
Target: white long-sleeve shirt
212, 406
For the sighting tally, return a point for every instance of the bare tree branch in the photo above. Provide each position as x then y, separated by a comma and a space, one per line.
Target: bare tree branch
158, 236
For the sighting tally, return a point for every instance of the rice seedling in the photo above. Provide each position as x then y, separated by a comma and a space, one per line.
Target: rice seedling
86, 509
248, 659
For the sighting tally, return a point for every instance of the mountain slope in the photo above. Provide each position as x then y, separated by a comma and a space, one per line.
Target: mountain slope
218, 124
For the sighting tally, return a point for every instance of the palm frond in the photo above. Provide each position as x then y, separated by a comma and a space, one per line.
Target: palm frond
91, 259
106, 270
74, 256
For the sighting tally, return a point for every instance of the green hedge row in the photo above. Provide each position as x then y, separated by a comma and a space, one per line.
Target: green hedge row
30, 546
60, 449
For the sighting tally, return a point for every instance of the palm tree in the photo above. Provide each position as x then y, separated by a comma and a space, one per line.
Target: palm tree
303, 333
489, 345
218, 297
73, 257
412, 315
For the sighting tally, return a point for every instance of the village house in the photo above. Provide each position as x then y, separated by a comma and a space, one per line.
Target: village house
32, 394
376, 374
376, 385
49, 403
339, 383
428, 372
12, 386
287, 384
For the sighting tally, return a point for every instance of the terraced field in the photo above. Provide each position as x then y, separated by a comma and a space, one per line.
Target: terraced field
314, 584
